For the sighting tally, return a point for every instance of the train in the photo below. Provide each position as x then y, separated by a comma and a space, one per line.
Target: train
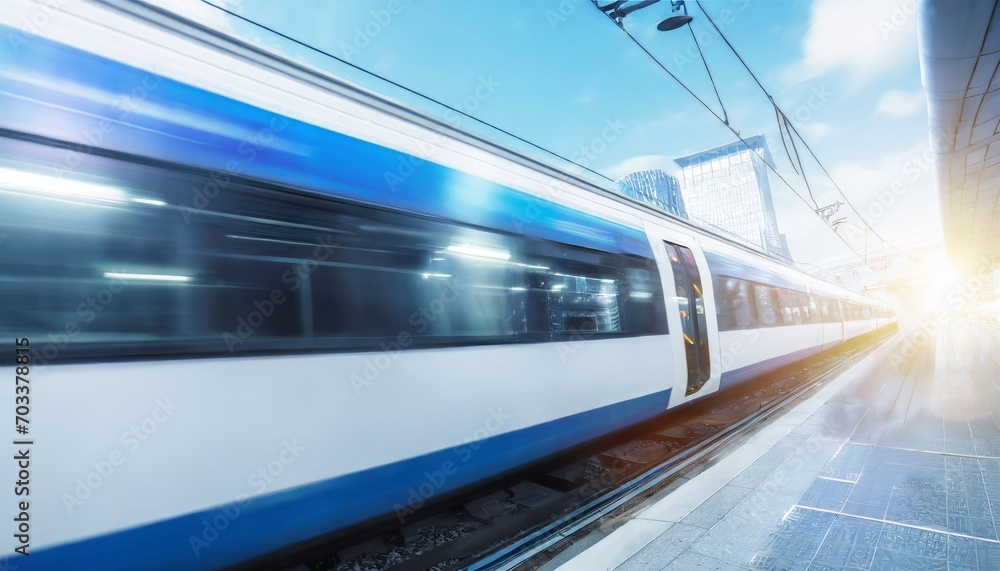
248, 304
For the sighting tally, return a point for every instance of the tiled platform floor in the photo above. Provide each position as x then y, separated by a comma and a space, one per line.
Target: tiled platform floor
896, 465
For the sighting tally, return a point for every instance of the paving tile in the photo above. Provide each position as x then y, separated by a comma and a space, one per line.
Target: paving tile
827, 494
864, 510
662, 550
850, 543
716, 507
962, 553
795, 542
847, 462
982, 528
988, 555
690, 560
746, 528
914, 542
763, 467
889, 560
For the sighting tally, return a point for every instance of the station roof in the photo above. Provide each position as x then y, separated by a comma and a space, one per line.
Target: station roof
959, 46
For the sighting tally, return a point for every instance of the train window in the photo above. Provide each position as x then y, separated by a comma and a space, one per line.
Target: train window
786, 303
767, 312
853, 311
795, 299
134, 263
831, 310
732, 300
810, 310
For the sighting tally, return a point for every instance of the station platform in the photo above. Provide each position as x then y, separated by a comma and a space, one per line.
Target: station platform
895, 464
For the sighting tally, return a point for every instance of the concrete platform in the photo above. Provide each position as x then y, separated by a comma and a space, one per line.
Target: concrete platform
893, 465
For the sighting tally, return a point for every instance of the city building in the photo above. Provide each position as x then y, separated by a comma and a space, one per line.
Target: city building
727, 187
655, 187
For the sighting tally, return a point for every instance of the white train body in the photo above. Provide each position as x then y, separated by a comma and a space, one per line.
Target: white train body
239, 341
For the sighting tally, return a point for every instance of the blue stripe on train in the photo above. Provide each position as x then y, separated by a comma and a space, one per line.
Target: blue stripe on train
276, 520
56, 91
732, 378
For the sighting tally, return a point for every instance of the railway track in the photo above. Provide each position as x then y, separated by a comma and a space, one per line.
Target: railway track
528, 518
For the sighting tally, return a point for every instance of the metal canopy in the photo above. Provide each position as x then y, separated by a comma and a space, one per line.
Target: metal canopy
959, 56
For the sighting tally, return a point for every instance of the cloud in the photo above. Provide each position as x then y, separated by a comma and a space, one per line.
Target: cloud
897, 194
815, 131
861, 38
640, 163
898, 104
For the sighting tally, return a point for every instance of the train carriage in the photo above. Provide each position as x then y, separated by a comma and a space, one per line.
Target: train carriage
249, 330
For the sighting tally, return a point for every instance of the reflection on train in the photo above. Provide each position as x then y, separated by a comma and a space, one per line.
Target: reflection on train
338, 350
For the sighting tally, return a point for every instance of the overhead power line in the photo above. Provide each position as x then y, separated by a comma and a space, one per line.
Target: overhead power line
733, 130
405, 88
789, 125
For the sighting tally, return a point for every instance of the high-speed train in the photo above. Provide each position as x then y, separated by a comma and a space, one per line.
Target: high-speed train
260, 304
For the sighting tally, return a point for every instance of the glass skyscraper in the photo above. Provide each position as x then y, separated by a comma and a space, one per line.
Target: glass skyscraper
655, 187
727, 187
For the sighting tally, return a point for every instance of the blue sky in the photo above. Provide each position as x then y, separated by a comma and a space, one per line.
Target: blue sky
846, 72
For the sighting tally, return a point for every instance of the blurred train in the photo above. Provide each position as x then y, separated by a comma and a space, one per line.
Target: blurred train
265, 305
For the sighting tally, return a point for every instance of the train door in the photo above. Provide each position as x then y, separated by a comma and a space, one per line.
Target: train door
691, 304
691, 315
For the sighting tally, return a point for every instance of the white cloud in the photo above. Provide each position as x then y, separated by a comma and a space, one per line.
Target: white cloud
861, 38
815, 131
898, 104
895, 193
640, 163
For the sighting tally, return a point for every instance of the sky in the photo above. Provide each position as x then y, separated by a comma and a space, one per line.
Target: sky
845, 72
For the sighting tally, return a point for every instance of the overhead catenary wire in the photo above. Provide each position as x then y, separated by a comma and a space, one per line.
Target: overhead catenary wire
404, 88
400, 86
733, 130
791, 126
